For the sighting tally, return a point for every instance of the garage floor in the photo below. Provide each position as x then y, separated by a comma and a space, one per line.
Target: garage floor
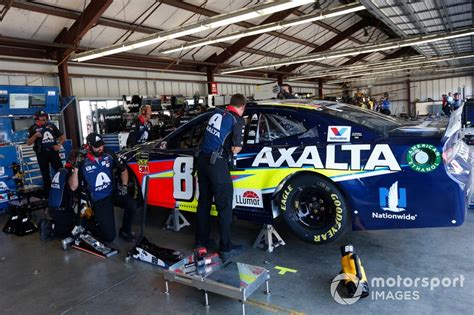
41, 278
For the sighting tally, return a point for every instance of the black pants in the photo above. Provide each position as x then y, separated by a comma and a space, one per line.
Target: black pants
214, 181
64, 221
44, 159
104, 215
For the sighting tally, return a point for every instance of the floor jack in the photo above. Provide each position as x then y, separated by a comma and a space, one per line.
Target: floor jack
82, 240
20, 223
149, 252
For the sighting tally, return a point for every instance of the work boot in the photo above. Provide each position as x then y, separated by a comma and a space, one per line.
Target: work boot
127, 236
230, 251
46, 230
211, 245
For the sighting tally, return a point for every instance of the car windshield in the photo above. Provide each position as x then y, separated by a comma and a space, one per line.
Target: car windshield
371, 119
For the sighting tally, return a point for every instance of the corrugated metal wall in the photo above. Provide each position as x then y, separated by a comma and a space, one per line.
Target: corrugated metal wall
419, 90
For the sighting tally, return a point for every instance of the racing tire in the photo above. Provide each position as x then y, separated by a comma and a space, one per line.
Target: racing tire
314, 208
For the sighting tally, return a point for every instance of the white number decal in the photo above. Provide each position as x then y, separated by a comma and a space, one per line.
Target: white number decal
183, 182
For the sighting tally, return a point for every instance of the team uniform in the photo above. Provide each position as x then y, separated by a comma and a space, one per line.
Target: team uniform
97, 175
45, 152
61, 209
140, 132
224, 130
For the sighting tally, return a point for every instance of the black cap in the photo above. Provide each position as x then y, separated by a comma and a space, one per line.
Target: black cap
40, 113
94, 140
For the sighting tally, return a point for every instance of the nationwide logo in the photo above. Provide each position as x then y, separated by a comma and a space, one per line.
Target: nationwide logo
339, 134
393, 199
248, 198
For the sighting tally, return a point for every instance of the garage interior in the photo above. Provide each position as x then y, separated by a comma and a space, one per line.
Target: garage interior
94, 57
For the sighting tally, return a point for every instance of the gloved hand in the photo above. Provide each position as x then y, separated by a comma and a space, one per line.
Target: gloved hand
122, 190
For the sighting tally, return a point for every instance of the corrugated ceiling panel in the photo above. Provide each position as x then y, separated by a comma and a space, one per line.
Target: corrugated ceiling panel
31, 25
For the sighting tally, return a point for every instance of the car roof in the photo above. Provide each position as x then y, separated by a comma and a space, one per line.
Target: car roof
298, 103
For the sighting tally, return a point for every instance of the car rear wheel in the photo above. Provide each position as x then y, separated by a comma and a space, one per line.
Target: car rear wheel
314, 208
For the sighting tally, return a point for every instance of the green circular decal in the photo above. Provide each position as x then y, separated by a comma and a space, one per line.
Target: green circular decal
423, 157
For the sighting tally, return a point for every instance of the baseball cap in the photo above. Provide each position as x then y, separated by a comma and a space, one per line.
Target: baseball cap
40, 113
95, 140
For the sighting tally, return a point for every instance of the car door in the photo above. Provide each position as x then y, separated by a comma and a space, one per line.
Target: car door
268, 132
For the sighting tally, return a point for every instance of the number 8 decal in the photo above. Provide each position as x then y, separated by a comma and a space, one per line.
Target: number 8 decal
183, 181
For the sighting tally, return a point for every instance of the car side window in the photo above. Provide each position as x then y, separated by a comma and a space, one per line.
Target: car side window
272, 127
188, 138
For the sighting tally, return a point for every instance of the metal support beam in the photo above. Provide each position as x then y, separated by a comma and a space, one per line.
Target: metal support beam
328, 44
70, 14
210, 79
70, 114
83, 24
206, 12
408, 97
320, 88
245, 41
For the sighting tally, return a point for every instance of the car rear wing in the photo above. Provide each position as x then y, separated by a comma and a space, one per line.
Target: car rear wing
452, 135
455, 123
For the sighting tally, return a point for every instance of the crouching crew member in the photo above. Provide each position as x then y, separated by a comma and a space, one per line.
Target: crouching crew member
222, 139
47, 140
96, 173
140, 131
61, 205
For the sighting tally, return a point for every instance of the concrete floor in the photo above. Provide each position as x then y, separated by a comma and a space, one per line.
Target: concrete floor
40, 278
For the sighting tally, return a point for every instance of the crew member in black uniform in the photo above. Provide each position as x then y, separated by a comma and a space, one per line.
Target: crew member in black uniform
222, 139
47, 140
140, 131
96, 173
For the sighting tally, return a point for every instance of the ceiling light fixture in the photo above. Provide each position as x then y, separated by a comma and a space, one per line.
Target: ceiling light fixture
400, 62
341, 10
410, 41
210, 23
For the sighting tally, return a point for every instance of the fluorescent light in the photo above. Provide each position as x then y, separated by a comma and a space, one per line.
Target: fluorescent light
414, 40
455, 68
345, 9
210, 23
380, 65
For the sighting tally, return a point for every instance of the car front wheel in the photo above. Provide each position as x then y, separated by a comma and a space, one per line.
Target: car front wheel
314, 208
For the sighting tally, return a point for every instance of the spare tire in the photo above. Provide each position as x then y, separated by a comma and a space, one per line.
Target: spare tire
314, 208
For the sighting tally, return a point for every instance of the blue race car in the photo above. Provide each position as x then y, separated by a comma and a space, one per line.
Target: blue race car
323, 167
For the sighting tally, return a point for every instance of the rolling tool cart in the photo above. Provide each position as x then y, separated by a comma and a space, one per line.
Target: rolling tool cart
232, 279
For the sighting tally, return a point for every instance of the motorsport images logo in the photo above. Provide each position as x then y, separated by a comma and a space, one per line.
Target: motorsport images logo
397, 288
343, 277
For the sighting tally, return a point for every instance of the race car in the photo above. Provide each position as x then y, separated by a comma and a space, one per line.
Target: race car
324, 168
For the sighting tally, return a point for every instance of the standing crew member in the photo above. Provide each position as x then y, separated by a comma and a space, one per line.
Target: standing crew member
97, 174
141, 128
222, 139
47, 140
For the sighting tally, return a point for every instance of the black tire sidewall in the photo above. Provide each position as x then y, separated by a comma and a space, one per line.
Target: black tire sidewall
341, 218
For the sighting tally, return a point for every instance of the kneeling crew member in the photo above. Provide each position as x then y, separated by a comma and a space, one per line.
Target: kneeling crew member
47, 140
61, 206
96, 172
141, 128
222, 139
